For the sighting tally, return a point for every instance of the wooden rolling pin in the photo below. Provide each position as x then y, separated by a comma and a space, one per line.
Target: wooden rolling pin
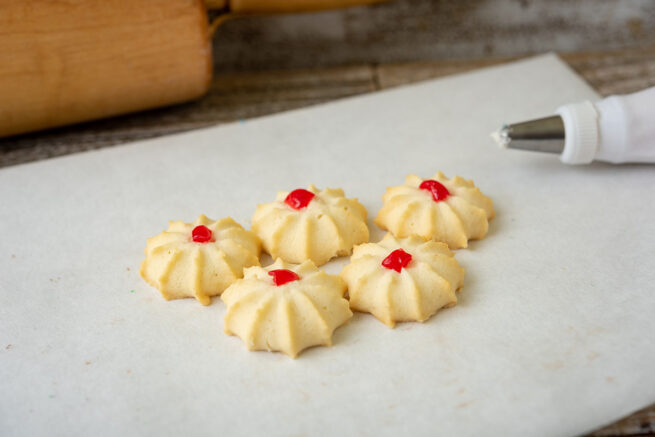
64, 62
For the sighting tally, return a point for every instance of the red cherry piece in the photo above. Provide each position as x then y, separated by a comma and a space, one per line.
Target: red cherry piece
397, 260
299, 199
438, 191
282, 276
201, 234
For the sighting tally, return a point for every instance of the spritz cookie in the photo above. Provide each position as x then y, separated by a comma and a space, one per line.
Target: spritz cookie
199, 259
310, 224
285, 307
402, 280
449, 210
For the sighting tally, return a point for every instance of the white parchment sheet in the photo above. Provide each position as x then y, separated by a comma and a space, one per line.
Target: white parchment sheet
553, 335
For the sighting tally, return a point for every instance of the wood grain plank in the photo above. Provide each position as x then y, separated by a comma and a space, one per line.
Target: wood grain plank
430, 30
616, 72
609, 72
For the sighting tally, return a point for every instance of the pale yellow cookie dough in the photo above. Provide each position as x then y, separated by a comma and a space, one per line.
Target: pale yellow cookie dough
463, 215
426, 284
286, 318
330, 225
180, 267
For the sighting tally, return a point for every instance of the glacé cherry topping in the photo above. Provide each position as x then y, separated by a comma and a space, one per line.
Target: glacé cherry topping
438, 191
282, 276
397, 260
201, 234
299, 199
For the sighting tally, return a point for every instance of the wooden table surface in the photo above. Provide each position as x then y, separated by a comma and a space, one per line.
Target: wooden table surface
237, 96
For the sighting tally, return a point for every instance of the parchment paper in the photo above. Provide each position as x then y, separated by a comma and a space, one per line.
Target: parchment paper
553, 334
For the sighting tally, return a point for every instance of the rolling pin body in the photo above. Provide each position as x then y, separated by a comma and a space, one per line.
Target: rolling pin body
70, 61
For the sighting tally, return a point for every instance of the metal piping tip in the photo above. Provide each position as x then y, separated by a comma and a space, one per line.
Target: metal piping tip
542, 135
